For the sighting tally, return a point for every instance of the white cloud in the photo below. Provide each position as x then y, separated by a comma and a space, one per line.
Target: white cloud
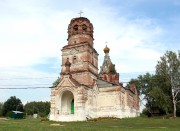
38, 37
33, 31
25, 78
127, 40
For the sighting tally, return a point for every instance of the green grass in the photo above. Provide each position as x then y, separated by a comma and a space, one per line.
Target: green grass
135, 124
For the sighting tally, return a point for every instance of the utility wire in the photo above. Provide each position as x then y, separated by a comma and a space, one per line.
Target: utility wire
26, 85
28, 78
26, 88
31, 86
57, 76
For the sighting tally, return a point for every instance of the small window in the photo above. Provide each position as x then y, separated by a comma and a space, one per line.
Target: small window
84, 28
75, 28
74, 59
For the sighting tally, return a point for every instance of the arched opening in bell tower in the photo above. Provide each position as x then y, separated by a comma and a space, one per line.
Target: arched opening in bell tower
75, 28
67, 102
84, 28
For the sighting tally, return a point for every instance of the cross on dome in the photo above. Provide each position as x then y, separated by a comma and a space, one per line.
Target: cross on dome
80, 13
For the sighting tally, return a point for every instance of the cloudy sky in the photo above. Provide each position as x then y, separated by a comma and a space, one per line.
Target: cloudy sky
32, 33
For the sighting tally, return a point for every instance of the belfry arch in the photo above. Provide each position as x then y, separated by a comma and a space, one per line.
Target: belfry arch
67, 102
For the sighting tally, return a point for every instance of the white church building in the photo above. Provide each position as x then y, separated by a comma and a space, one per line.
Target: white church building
83, 92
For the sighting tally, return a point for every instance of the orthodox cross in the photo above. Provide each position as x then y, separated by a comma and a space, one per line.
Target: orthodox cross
80, 13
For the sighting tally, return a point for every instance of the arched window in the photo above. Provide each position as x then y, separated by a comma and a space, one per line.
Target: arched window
84, 28
75, 28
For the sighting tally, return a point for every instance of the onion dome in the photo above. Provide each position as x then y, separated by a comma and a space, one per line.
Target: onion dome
106, 49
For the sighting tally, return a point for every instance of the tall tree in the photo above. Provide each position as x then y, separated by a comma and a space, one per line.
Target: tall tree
11, 104
149, 89
169, 68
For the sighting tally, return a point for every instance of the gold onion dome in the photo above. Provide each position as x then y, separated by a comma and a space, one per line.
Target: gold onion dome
106, 49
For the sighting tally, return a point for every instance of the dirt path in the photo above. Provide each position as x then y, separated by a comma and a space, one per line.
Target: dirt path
3, 119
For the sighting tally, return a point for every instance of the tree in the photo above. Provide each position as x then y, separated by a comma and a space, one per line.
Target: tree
1, 107
149, 89
143, 85
162, 90
11, 104
56, 82
169, 68
41, 108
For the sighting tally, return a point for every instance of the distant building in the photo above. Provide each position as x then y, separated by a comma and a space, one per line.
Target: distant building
17, 115
84, 93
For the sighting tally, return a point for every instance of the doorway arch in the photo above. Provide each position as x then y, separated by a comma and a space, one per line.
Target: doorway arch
67, 102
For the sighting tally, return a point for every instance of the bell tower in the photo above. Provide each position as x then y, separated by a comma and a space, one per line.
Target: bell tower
80, 52
80, 30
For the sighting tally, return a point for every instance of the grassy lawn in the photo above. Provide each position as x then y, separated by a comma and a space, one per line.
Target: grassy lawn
136, 124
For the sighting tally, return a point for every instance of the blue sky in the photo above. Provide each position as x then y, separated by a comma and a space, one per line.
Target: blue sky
32, 33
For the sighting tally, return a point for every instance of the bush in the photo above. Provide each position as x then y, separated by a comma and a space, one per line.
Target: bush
43, 119
145, 112
42, 114
9, 114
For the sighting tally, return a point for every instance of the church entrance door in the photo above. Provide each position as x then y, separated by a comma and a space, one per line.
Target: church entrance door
72, 106
67, 103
